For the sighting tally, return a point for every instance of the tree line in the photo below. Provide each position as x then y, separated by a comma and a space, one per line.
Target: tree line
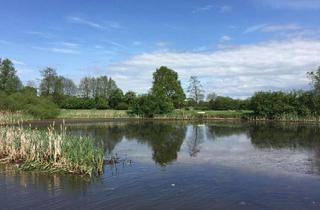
165, 95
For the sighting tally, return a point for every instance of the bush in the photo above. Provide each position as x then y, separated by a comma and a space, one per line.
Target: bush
3, 97
78, 103
150, 105
122, 106
28, 102
102, 103
274, 105
43, 109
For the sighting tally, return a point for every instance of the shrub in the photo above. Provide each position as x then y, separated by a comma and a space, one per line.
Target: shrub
78, 103
102, 103
150, 105
28, 102
122, 106
43, 109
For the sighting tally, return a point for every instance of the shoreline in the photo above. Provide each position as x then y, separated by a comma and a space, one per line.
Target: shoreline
163, 119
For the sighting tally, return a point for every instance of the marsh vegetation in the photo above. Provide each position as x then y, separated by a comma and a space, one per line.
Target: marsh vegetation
50, 151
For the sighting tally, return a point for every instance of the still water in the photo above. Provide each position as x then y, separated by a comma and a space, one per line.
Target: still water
166, 165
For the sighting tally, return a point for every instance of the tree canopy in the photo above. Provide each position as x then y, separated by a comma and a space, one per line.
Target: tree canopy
195, 89
9, 81
167, 86
315, 80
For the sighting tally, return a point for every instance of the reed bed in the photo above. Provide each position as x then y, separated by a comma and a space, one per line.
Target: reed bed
50, 151
13, 117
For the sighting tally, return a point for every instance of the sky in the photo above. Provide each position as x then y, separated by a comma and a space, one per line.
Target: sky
235, 47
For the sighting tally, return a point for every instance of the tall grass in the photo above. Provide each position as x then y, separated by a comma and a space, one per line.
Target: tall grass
13, 117
50, 151
92, 113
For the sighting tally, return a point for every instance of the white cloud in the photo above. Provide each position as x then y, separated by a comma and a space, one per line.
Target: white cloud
68, 44
238, 71
162, 44
16, 62
82, 21
58, 50
105, 25
292, 4
203, 8
225, 8
225, 38
115, 44
273, 28
209, 7
41, 34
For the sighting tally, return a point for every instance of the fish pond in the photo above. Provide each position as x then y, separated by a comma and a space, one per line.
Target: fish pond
180, 165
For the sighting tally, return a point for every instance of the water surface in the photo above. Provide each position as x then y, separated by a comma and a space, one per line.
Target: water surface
166, 165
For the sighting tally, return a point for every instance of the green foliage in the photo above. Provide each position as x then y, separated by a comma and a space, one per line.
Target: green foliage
48, 82
28, 102
56, 87
9, 81
130, 97
78, 103
116, 98
122, 106
150, 105
101, 103
274, 105
315, 79
227, 103
167, 86
42, 108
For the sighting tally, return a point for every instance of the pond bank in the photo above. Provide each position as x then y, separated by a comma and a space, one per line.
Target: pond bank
74, 116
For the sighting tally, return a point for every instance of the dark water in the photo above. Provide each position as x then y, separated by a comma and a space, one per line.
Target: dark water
183, 166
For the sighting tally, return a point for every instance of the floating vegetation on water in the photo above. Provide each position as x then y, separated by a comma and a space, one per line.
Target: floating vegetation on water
115, 159
50, 151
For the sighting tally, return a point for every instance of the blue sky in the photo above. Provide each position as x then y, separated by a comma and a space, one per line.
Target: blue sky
234, 47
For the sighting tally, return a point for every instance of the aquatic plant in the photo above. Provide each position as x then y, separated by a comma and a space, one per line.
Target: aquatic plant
50, 151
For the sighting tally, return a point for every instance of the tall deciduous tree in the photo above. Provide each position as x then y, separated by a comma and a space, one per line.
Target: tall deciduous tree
211, 96
69, 88
315, 79
9, 81
48, 82
166, 85
85, 87
195, 89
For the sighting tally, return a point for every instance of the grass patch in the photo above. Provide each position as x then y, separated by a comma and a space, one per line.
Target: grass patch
14, 117
176, 114
50, 151
92, 113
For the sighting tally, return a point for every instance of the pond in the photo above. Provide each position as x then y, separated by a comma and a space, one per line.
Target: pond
176, 165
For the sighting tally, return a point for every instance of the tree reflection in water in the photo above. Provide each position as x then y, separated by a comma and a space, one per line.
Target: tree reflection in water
165, 139
195, 140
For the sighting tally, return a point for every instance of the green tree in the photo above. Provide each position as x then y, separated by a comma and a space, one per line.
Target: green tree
9, 81
48, 81
315, 80
195, 89
85, 87
130, 98
150, 105
69, 88
115, 98
167, 86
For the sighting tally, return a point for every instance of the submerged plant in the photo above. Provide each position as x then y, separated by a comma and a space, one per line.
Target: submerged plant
48, 150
